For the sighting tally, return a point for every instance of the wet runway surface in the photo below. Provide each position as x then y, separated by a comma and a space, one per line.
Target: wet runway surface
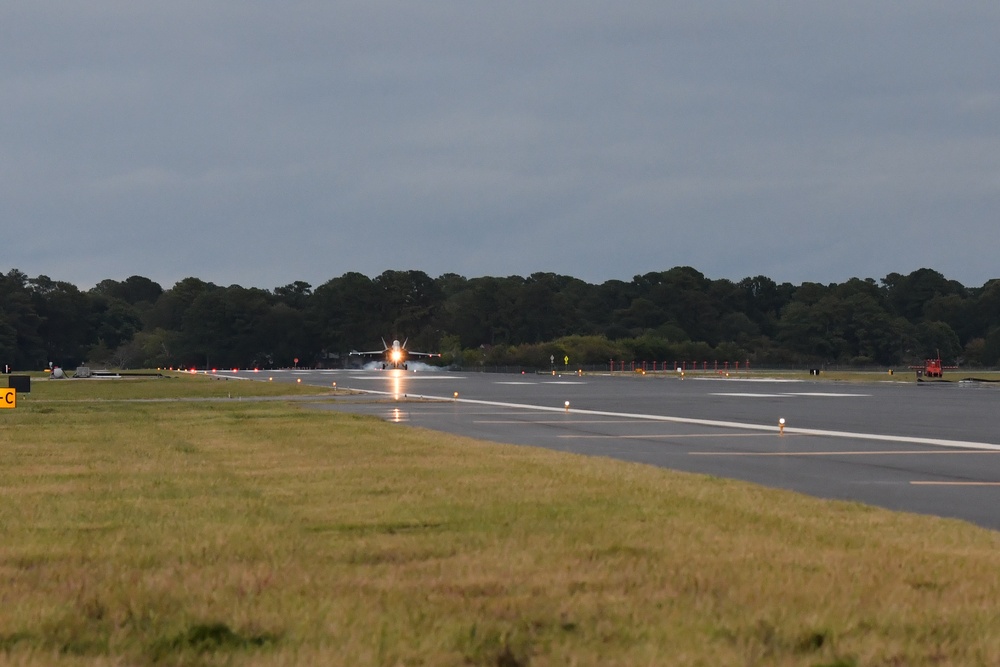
932, 448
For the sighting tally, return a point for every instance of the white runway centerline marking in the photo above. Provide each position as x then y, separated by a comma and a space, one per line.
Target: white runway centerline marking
916, 440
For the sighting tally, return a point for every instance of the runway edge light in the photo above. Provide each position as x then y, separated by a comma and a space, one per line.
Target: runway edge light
781, 426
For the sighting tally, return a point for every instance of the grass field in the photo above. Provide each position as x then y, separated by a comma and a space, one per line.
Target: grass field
232, 532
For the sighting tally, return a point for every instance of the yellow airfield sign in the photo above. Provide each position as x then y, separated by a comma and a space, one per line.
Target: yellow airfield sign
8, 398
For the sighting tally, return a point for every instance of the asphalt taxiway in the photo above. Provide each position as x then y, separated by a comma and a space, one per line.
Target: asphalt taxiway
929, 448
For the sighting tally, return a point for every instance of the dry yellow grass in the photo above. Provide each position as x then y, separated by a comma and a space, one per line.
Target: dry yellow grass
268, 534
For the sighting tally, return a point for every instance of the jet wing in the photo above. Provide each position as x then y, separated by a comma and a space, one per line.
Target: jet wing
396, 347
371, 353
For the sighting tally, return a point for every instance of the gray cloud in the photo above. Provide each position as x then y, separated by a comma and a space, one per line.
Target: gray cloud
254, 143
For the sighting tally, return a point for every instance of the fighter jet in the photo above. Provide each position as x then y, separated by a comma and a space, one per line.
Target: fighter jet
395, 355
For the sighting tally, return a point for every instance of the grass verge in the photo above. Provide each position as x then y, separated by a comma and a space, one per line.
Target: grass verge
262, 533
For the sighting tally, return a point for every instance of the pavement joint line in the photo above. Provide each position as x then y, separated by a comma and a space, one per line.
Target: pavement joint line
879, 452
554, 421
669, 435
915, 440
920, 483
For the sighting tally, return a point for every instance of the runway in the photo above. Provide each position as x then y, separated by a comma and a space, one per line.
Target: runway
926, 448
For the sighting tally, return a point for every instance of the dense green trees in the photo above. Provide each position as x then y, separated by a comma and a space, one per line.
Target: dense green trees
666, 316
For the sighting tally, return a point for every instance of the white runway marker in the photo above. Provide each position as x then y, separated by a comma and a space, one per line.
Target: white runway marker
940, 442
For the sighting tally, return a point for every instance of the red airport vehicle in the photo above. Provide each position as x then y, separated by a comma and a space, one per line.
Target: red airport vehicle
932, 368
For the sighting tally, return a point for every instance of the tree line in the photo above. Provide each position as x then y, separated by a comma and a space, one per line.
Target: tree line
666, 316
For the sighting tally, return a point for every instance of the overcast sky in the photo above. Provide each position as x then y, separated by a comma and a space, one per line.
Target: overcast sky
260, 143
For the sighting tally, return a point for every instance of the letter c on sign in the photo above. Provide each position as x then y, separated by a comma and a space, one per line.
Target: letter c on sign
9, 398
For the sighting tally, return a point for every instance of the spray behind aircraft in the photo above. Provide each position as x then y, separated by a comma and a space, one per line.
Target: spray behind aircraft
395, 355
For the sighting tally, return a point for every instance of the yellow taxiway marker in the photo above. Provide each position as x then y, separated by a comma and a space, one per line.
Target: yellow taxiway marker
8, 398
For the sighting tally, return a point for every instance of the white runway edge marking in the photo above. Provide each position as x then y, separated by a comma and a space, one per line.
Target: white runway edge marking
938, 442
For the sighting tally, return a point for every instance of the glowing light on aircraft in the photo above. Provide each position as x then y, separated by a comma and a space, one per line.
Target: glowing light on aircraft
396, 355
